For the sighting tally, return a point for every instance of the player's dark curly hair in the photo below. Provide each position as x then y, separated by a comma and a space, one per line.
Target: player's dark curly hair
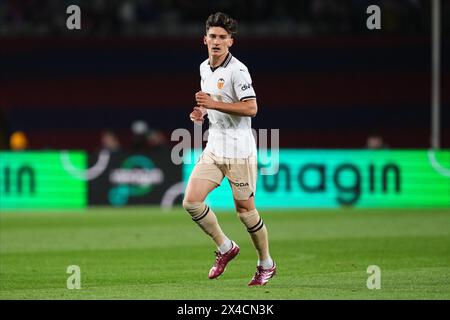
220, 19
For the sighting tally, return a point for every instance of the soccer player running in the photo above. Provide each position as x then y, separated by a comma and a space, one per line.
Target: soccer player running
228, 98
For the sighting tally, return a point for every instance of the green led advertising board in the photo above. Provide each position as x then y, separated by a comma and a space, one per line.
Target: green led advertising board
39, 180
357, 178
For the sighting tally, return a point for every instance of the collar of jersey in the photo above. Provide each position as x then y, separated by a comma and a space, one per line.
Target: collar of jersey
224, 63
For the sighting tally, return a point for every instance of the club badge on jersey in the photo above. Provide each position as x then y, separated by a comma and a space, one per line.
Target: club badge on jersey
220, 83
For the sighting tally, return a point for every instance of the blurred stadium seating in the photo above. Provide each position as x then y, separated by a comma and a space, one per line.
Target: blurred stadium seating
320, 75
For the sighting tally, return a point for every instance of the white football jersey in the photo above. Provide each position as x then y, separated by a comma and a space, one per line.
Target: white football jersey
230, 136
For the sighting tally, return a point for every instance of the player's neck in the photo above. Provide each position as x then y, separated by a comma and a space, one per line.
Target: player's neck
217, 61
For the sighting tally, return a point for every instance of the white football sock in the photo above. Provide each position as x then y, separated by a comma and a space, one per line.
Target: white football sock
266, 264
225, 246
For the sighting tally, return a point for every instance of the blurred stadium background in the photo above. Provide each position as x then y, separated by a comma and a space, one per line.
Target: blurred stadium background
86, 118
322, 77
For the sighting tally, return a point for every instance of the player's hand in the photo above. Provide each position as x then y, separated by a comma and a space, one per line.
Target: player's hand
204, 100
197, 115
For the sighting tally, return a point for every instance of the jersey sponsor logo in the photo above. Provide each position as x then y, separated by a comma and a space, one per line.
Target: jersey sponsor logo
220, 83
240, 184
246, 86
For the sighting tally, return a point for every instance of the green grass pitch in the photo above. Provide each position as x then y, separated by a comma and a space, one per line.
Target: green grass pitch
146, 253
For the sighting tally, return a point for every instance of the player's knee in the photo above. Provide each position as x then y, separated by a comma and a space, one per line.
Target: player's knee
195, 209
251, 220
191, 206
243, 206
247, 215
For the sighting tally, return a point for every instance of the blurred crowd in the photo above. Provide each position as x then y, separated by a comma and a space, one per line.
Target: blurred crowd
181, 17
140, 139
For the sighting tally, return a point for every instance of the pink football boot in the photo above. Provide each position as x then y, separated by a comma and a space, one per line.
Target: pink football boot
262, 276
222, 260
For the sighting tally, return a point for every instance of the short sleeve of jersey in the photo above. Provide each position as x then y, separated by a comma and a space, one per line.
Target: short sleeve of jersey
201, 78
242, 83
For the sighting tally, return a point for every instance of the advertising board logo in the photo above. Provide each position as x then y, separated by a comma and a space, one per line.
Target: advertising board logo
345, 180
136, 178
21, 176
38, 180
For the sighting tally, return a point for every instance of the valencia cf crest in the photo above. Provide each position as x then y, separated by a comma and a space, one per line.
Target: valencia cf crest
220, 83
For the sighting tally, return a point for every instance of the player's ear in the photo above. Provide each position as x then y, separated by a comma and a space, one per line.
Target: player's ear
204, 40
230, 42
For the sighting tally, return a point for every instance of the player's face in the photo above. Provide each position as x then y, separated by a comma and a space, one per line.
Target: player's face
218, 41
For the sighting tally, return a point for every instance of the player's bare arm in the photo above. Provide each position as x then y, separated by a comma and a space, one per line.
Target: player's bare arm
247, 108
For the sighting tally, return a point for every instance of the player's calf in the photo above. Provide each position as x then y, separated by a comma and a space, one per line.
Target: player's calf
206, 219
258, 232
251, 220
